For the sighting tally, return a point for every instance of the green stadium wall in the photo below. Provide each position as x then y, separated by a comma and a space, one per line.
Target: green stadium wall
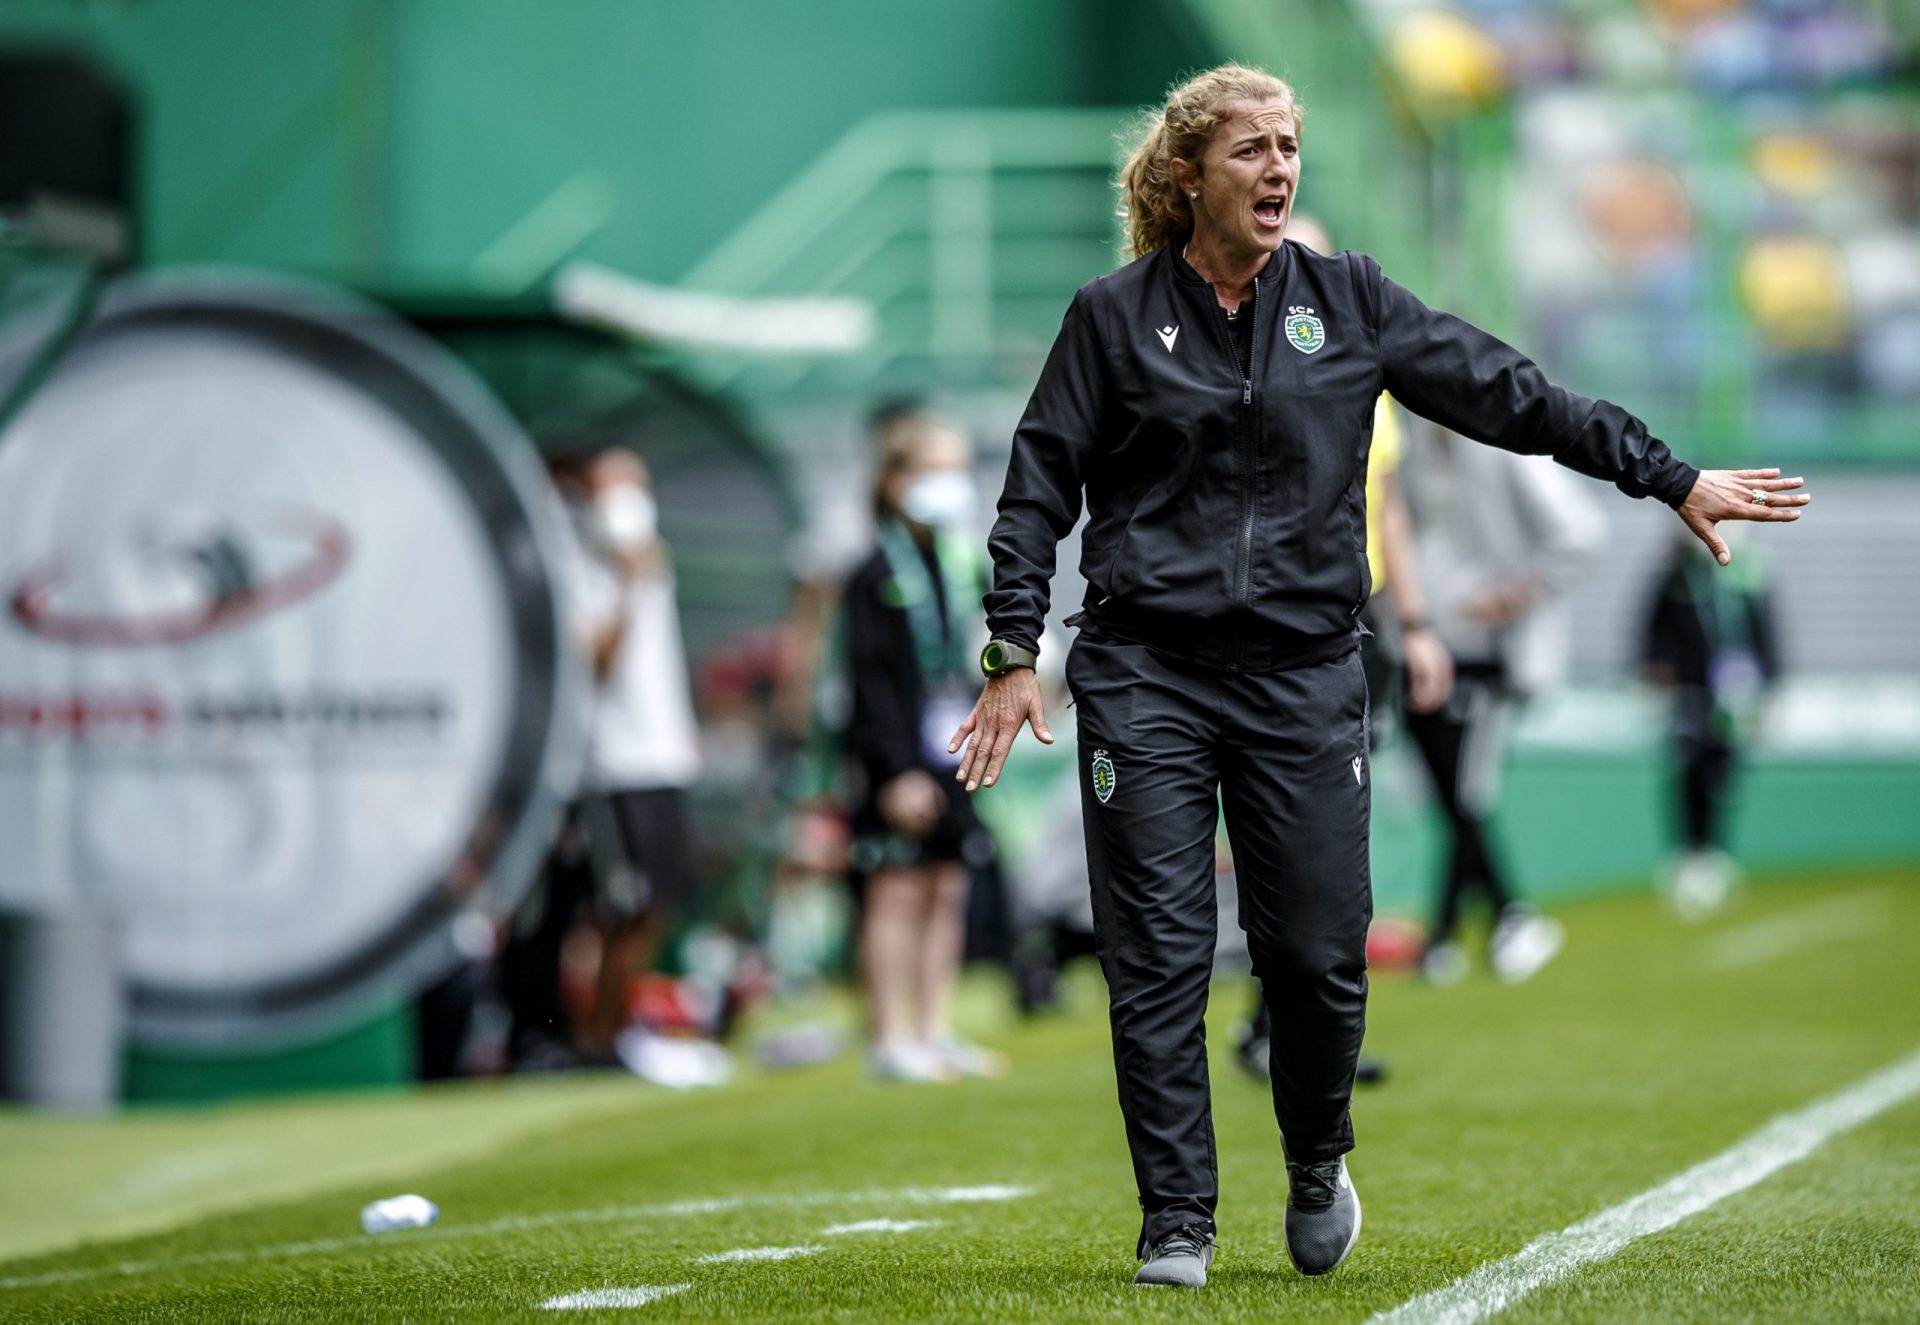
383, 143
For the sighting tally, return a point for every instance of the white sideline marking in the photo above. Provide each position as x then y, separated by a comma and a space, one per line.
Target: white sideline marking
878, 1226
611, 1214
1497, 1285
597, 1298
757, 1254
1830, 921
990, 1192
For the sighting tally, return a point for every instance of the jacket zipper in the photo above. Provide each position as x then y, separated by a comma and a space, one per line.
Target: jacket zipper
1248, 449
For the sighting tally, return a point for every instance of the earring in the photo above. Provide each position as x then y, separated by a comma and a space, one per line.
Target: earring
1193, 195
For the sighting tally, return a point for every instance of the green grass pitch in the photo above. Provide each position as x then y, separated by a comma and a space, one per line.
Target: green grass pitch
1510, 1113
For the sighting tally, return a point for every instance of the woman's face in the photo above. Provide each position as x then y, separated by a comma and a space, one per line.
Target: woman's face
942, 457
1246, 178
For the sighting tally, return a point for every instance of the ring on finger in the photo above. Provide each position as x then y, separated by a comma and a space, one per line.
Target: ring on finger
1759, 497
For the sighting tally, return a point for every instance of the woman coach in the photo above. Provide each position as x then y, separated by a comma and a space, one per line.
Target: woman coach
1213, 399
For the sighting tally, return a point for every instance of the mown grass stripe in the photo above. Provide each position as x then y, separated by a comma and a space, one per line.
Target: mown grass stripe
1499, 1284
1835, 920
518, 1223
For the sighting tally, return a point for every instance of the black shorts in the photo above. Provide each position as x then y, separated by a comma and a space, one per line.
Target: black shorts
655, 867
957, 836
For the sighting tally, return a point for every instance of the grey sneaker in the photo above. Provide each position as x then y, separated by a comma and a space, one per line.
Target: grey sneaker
1323, 1216
1178, 1260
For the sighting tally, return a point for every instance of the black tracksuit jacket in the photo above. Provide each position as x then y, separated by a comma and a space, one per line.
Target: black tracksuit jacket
1227, 502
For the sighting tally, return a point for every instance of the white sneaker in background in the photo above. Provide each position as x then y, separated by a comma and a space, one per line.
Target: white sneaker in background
1444, 963
969, 1060
1523, 943
712, 1060
1700, 883
908, 1061
678, 1064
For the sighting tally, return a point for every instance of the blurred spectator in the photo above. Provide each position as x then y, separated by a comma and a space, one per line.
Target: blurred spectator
823, 556
911, 613
630, 845
1498, 536
1710, 640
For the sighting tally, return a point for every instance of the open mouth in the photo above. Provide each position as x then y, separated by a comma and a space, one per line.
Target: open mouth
1270, 210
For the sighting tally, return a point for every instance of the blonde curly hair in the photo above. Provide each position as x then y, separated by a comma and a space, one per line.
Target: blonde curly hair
1152, 208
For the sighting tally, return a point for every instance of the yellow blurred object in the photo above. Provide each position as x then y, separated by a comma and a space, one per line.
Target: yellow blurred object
1800, 165
1794, 287
1382, 460
1448, 60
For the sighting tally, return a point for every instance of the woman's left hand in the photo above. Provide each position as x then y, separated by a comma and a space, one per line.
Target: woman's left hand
1429, 669
1728, 494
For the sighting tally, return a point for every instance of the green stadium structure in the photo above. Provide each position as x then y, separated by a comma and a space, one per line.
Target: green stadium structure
949, 165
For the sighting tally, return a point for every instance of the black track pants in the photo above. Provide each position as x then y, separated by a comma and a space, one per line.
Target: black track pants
1163, 749
1461, 744
1706, 759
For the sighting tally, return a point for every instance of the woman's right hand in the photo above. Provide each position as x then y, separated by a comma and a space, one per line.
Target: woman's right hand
1005, 703
911, 802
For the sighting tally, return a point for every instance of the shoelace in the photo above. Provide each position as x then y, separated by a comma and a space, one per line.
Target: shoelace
1315, 1186
1187, 1240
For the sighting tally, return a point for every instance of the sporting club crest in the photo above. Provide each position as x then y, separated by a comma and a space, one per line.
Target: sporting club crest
1305, 332
1102, 776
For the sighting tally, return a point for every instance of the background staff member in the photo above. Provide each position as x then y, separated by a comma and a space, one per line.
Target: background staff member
1500, 536
1223, 465
1710, 638
911, 644
643, 761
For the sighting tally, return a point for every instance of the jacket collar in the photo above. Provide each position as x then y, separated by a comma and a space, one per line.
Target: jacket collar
1276, 264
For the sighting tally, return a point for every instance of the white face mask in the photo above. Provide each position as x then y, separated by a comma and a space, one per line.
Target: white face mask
942, 500
623, 519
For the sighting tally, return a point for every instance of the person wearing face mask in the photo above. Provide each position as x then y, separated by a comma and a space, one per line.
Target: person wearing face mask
909, 615
643, 753
1222, 463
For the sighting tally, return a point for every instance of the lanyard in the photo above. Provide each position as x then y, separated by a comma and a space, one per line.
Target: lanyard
943, 647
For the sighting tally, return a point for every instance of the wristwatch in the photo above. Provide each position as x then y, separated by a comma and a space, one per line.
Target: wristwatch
1000, 657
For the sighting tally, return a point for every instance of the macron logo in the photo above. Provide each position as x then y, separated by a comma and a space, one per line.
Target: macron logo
1168, 335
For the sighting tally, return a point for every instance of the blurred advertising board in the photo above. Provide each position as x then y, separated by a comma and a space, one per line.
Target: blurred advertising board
283, 690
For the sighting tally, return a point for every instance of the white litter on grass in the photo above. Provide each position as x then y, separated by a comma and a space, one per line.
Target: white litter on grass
399, 1212
1497, 1285
1831, 921
757, 1254
596, 1299
878, 1226
610, 1214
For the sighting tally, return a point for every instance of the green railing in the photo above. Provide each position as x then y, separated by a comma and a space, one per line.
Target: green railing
966, 230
